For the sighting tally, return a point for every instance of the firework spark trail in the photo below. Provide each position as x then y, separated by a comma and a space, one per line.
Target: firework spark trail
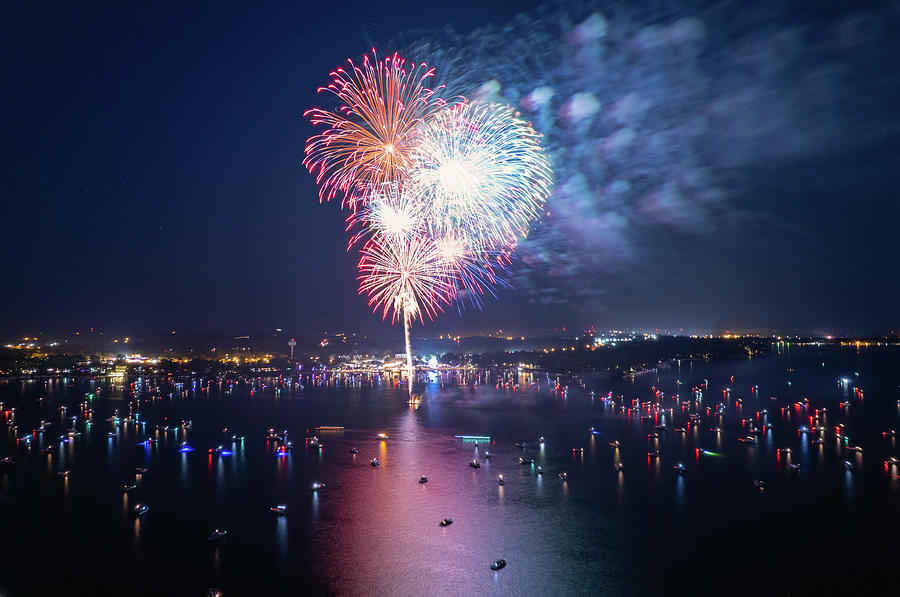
369, 136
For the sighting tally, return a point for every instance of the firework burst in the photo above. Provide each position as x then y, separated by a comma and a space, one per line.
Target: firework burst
368, 137
439, 195
480, 174
470, 274
387, 212
404, 277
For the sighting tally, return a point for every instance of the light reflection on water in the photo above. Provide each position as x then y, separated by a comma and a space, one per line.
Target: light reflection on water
281, 540
381, 523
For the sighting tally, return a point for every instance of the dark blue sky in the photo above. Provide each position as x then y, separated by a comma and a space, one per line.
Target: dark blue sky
150, 173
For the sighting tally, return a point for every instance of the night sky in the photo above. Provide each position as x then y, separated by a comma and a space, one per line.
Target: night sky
150, 163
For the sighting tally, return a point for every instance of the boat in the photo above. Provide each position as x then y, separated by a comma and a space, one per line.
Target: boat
140, 470
578, 450
498, 564
521, 445
759, 483
653, 435
540, 471
63, 473
140, 509
217, 535
618, 466
375, 462
541, 440
475, 464
892, 460
353, 451
7, 462
680, 468
854, 449
499, 479
423, 479
474, 438
848, 465
817, 440
563, 476
329, 428
653, 453
446, 522
680, 430
316, 486
526, 460
614, 444
795, 467
487, 455
747, 440
784, 450
383, 436
279, 509
127, 488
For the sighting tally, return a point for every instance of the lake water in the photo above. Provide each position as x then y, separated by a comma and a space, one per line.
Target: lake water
648, 529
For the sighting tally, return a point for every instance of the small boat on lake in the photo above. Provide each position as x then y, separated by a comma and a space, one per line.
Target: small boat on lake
217, 535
